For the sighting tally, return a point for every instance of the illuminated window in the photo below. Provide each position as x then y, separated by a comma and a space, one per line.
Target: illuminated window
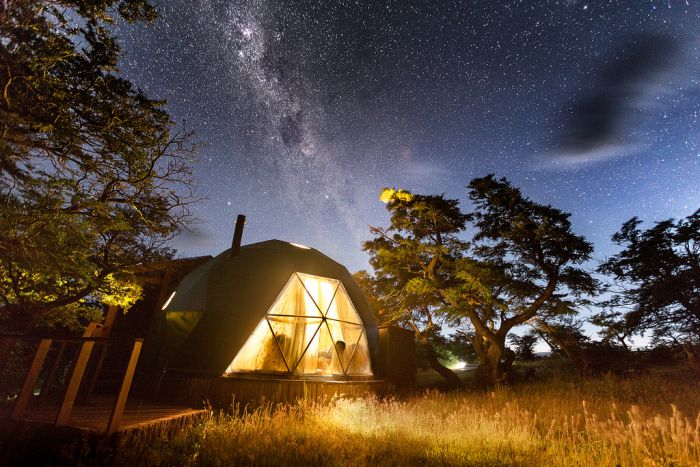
311, 329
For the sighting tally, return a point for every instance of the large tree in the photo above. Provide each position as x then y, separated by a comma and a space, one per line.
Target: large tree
412, 260
526, 264
522, 263
657, 273
92, 177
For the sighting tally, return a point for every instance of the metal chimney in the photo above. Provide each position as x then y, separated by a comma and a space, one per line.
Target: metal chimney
237, 236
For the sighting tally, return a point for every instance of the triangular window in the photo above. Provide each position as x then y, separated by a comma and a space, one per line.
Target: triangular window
312, 328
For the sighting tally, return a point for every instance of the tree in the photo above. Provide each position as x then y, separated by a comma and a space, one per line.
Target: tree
616, 327
410, 257
524, 345
525, 264
522, 263
564, 335
92, 178
371, 289
657, 274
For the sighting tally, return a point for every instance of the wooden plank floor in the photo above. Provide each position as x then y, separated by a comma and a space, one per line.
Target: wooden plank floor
94, 417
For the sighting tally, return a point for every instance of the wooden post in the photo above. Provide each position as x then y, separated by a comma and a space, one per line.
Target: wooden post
27, 391
102, 330
112, 312
116, 417
74, 384
92, 329
52, 372
102, 351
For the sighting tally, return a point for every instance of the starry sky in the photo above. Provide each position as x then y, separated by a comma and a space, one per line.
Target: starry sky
309, 108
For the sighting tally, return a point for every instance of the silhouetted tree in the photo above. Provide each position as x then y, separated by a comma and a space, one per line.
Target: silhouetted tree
524, 345
658, 275
615, 326
92, 180
565, 336
524, 265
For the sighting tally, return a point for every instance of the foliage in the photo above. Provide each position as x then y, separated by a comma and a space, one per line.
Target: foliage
450, 350
124, 291
616, 327
412, 260
528, 267
658, 278
523, 262
370, 289
92, 179
460, 345
524, 345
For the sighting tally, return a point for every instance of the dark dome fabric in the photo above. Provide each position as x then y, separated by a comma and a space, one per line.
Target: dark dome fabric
217, 306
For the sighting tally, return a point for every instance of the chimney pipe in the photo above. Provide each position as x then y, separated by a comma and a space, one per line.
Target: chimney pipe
237, 236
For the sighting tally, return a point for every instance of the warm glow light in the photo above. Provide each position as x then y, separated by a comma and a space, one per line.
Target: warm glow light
298, 245
311, 329
167, 302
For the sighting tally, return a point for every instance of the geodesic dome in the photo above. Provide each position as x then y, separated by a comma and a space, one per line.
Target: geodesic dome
275, 309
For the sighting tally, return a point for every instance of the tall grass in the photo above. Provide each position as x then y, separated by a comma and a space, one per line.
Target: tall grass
652, 420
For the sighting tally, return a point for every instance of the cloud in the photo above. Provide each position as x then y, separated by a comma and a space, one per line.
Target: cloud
594, 129
575, 159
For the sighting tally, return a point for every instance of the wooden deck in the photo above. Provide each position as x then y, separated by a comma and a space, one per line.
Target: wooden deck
95, 416
34, 439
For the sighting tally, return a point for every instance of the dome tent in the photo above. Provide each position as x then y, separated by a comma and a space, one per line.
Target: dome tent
275, 308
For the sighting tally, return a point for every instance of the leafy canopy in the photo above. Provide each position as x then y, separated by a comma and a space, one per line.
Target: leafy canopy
523, 261
658, 278
92, 178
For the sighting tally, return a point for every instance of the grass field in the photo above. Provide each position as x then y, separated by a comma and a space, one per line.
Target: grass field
648, 420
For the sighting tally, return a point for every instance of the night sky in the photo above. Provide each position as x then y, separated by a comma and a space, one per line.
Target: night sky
309, 108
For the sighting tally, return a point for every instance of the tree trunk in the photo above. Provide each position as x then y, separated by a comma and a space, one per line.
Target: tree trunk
495, 361
450, 376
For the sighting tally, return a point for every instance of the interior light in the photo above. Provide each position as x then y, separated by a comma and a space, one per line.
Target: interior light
167, 302
298, 245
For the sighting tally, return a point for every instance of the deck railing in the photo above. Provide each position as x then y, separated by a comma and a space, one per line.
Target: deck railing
86, 345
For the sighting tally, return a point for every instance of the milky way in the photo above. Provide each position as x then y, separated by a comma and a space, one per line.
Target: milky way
308, 109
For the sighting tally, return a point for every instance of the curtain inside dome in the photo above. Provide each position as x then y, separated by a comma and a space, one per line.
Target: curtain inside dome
312, 328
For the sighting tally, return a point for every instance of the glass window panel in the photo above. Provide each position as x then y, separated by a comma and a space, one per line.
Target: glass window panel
345, 337
321, 289
342, 308
321, 358
360, 363
293, 300
260, 353
294, 336
308, 345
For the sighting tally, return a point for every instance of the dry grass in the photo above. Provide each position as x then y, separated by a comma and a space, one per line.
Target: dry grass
651, 420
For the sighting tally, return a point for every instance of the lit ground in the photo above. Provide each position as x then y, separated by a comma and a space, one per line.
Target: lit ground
650, 420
